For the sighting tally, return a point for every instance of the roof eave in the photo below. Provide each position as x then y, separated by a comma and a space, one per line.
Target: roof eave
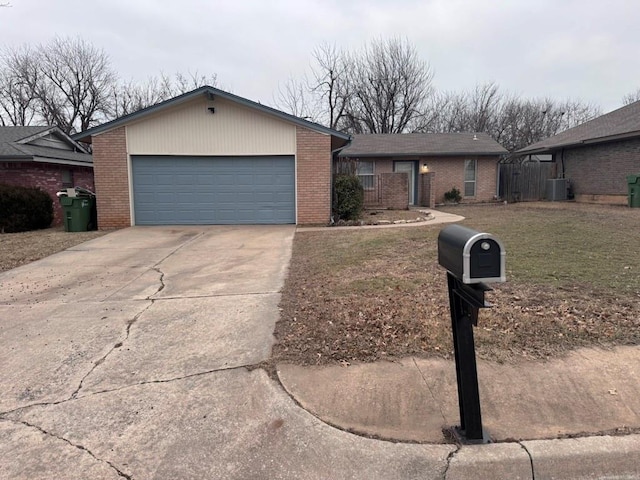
63, 161
19, 158
57, 130
212, 93
430, 154
588, 141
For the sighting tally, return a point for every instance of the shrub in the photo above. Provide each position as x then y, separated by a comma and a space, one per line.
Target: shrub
349, 197
24, 208
453, 195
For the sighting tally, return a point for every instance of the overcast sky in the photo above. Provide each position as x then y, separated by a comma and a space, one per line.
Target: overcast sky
586, 49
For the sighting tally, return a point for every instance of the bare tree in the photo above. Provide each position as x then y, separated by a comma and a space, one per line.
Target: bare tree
390, 88
130, 97
631, 97
18, 76
332, 83
294, 96
74, 85
512, 121
64, 83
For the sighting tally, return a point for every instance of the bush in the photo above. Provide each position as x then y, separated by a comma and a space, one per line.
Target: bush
453, 195
24, 208
349, 197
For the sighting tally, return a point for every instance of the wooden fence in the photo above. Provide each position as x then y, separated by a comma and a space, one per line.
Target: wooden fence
522, 182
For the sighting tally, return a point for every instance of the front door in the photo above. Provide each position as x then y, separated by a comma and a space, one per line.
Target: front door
410, 168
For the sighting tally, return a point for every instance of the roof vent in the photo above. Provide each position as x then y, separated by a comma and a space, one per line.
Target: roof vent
475, 137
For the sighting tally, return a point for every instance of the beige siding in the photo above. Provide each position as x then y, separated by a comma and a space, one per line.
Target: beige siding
190, 129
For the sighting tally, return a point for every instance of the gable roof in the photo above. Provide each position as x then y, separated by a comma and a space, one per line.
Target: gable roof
15, 145
619, 124
211, 92
416, 144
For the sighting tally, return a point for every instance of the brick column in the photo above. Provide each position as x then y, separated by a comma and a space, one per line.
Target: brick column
111, 179
395, 190
427, 193
313, 177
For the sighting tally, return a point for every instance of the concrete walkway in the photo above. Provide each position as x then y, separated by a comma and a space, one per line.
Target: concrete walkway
436, 217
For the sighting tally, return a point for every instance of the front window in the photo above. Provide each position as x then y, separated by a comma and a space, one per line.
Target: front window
470, 172
365, 173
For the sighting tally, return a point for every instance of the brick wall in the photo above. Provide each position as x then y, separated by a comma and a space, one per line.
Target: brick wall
111, 179
313, 183
426, 190
449, 173
601, 170
394, 190
47, 177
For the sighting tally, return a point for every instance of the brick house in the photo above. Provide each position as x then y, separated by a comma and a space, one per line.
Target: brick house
400, 170
44, 157
597, 156
211, 157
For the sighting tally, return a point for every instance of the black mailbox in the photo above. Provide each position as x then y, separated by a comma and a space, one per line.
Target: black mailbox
471, 256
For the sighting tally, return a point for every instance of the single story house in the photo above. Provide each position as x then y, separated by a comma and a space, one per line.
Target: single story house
211, 157
432, 164
597, 156
44, 157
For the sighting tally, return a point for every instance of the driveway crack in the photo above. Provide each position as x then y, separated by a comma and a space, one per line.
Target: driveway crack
533, 473
452, 454
162, 285
117, 345
75, 445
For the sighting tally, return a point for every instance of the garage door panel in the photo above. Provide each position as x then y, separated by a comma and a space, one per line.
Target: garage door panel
213, 190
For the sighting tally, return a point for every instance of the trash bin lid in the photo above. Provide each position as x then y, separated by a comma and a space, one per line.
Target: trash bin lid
633, 178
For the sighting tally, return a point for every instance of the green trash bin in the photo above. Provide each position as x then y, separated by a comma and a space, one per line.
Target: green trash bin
78, 213
633, 182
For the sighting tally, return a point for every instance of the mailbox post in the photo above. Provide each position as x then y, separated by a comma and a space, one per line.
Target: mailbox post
472, 259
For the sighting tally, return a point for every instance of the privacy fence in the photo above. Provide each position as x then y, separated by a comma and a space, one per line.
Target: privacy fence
522, 182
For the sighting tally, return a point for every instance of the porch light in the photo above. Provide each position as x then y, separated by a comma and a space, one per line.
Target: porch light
424, 168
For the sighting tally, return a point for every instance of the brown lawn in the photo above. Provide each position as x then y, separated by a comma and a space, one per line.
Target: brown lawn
361, 295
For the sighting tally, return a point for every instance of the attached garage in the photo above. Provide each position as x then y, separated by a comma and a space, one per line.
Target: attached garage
213, 190
210, 157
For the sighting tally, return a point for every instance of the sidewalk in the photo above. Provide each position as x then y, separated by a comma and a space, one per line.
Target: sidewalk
589, 392
437, 217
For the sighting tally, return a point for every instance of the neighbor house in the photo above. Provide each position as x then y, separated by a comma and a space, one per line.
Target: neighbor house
44, 157
400, 170
597, 156
211, 157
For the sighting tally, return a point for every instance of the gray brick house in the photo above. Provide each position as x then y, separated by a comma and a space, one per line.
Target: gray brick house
597, 156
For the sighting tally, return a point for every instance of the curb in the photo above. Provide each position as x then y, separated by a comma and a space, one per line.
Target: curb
573, 458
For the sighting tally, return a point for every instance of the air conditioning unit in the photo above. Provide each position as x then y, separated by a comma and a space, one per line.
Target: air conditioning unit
556, 189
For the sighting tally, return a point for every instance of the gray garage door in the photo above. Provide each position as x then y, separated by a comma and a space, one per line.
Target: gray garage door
213, 190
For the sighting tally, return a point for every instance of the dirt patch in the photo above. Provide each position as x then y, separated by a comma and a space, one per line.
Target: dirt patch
573, 281
20, 248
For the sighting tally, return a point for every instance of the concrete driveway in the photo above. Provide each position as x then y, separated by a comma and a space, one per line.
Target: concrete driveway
135, 356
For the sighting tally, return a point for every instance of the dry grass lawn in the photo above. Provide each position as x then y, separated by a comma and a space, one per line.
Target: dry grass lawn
573, 279
19, 248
